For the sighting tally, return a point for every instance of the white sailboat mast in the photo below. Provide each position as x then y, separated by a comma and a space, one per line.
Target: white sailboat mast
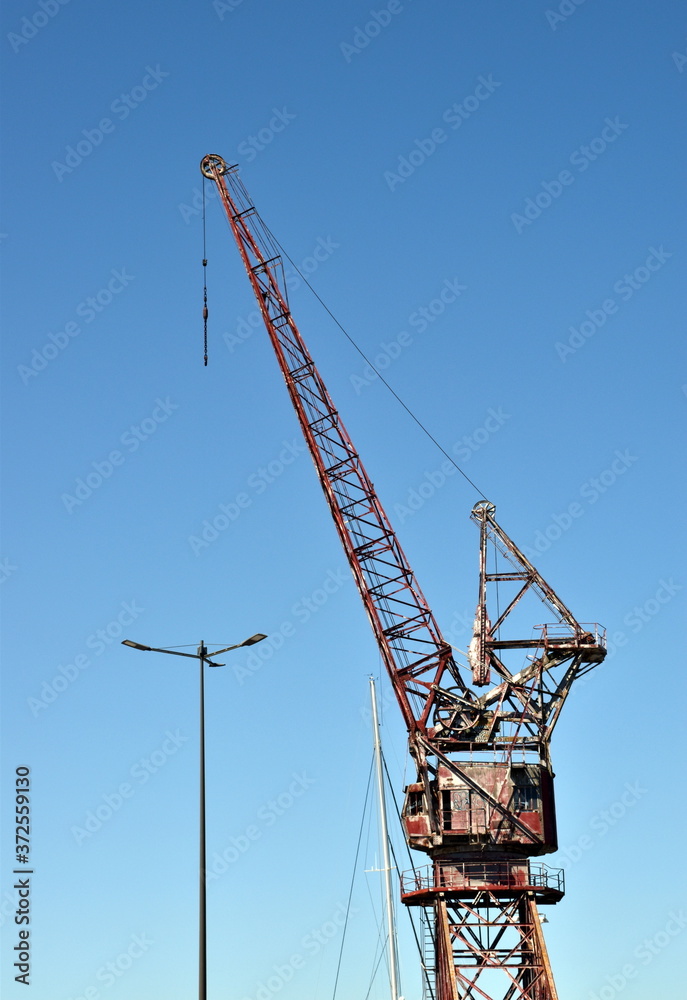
391, 924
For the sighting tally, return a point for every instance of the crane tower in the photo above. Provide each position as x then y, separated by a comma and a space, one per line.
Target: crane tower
481, 806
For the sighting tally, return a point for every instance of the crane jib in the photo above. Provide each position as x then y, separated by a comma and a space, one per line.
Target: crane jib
400, 616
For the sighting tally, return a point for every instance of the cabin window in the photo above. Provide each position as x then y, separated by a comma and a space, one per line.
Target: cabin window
446, 811
416, 803
527, 790
526, 798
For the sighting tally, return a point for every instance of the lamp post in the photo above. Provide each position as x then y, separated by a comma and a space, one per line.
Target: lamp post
202, 656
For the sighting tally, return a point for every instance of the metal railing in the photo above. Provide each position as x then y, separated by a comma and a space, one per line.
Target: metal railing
469, 875
586, 633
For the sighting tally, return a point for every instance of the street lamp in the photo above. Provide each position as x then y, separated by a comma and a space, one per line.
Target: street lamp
202, 656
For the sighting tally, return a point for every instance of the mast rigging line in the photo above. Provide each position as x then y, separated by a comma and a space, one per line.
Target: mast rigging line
374, 971
400, 821
355, 868
398, 869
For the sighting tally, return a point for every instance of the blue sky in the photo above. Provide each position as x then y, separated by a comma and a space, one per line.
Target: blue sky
525, 161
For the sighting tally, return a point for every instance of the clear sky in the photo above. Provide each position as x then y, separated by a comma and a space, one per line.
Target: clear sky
524, 162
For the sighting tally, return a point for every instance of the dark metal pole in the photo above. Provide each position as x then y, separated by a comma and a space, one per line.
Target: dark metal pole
201, 655
202, 936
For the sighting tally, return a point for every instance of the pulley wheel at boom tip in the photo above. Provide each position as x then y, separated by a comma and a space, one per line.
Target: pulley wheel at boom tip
211, 163
483, 506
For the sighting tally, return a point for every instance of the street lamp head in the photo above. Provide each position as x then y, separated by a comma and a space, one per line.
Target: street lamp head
136, 645
258, 637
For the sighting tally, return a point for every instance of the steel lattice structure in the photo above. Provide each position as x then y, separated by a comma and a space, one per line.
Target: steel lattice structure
482, 802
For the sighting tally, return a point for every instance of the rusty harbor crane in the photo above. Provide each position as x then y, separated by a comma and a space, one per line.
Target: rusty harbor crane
482, 802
